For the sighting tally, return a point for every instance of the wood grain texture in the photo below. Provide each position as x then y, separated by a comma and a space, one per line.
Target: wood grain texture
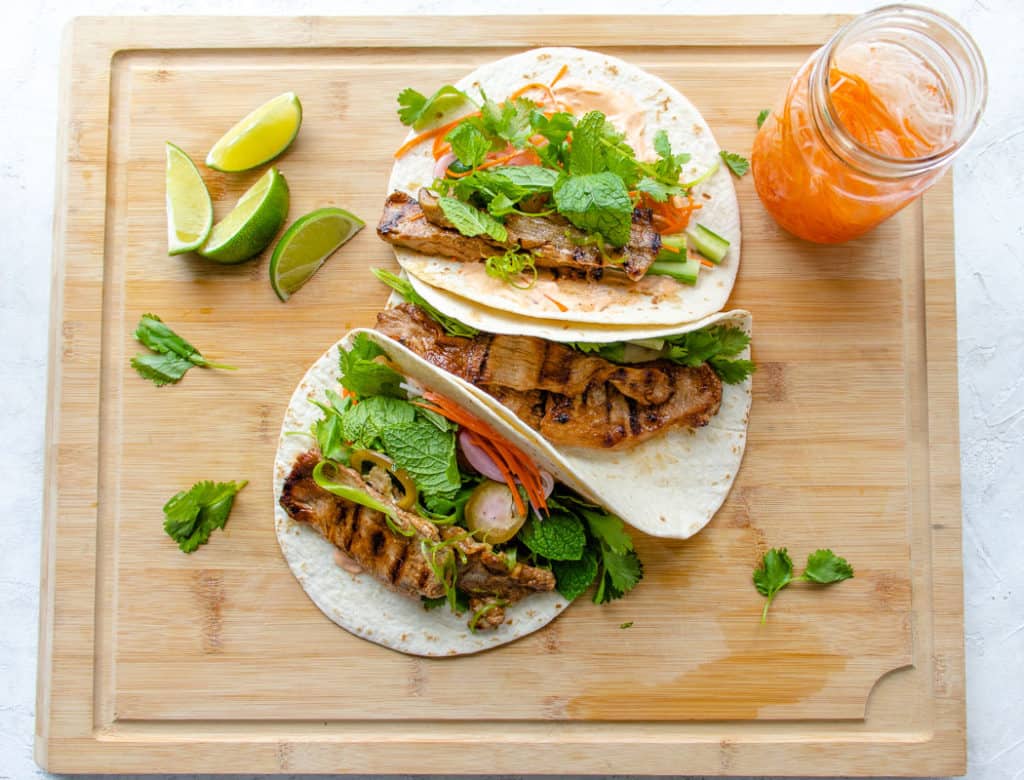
155, 661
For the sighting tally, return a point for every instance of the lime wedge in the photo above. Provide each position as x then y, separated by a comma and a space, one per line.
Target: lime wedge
306, 245
260, 137
252, 224
189, 208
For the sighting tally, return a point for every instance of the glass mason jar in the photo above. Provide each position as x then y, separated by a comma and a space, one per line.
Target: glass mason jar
869, 122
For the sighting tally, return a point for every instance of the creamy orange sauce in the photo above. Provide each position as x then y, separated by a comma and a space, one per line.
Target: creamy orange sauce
625, 114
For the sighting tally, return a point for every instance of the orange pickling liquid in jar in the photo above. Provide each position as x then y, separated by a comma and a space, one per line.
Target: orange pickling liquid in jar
868, 123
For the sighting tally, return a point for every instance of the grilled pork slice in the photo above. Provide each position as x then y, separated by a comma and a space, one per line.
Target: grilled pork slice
552, 240
397, 560
362, 533
572, 399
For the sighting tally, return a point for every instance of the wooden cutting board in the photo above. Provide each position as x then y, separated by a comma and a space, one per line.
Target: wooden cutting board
151, 660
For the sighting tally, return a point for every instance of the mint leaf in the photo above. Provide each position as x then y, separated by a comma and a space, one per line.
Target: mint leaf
574, 577
559, 537
191, 516
363, 423
362, 375
469, 144
427, 453
174, 355
161, 369
587, 152
762, 115
737, 163
470, 221
596, 203
825, 567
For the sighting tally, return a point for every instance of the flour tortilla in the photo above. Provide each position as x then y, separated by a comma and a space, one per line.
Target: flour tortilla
360, 603
655, 300
672, 484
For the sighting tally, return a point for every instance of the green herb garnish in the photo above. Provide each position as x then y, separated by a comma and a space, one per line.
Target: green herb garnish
776, 572
173, 355
418, 110
490, 606
737, 163
762, 115
471, 221
363, 375
192, 515
404, 288
511, 266
626, 625
716, 345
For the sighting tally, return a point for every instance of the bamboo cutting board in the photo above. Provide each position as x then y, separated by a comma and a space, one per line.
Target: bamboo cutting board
151, 660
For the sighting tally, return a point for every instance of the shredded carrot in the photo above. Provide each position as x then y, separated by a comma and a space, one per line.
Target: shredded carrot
534, 85
513, 462
432, 133
561, 72
670, 248
706, 263
673, 215
561, 306
417, 215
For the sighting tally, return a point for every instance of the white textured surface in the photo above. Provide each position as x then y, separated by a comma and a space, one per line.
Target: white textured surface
990, 288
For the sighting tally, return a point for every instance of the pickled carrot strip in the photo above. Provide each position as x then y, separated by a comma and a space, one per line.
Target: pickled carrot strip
561, 72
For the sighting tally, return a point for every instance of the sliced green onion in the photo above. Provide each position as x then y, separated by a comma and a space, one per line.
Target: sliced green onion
511, 265
488, 607
357, 496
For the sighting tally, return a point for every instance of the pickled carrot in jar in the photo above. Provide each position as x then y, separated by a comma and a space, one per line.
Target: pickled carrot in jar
867, 124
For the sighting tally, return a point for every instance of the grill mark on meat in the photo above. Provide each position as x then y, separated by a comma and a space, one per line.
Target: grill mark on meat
571, 398
397, 564
552, 240
634, 416
363, 535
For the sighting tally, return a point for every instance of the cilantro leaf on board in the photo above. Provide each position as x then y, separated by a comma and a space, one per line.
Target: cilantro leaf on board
471, 221
558, 537
362, 375
404, 288
775, 572
417, 110
427, 453
825, 567
761, 116
174, 356
596, 203
192, 515
737, 163
469, 144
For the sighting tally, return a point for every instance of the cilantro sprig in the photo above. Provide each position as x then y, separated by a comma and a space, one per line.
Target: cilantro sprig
192, 515
172, 356
776, 572
717, 346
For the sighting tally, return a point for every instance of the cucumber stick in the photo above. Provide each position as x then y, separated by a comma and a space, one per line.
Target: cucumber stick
708, 243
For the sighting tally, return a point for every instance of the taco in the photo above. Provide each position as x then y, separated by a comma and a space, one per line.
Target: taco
567, 186
655, 426
415, 517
